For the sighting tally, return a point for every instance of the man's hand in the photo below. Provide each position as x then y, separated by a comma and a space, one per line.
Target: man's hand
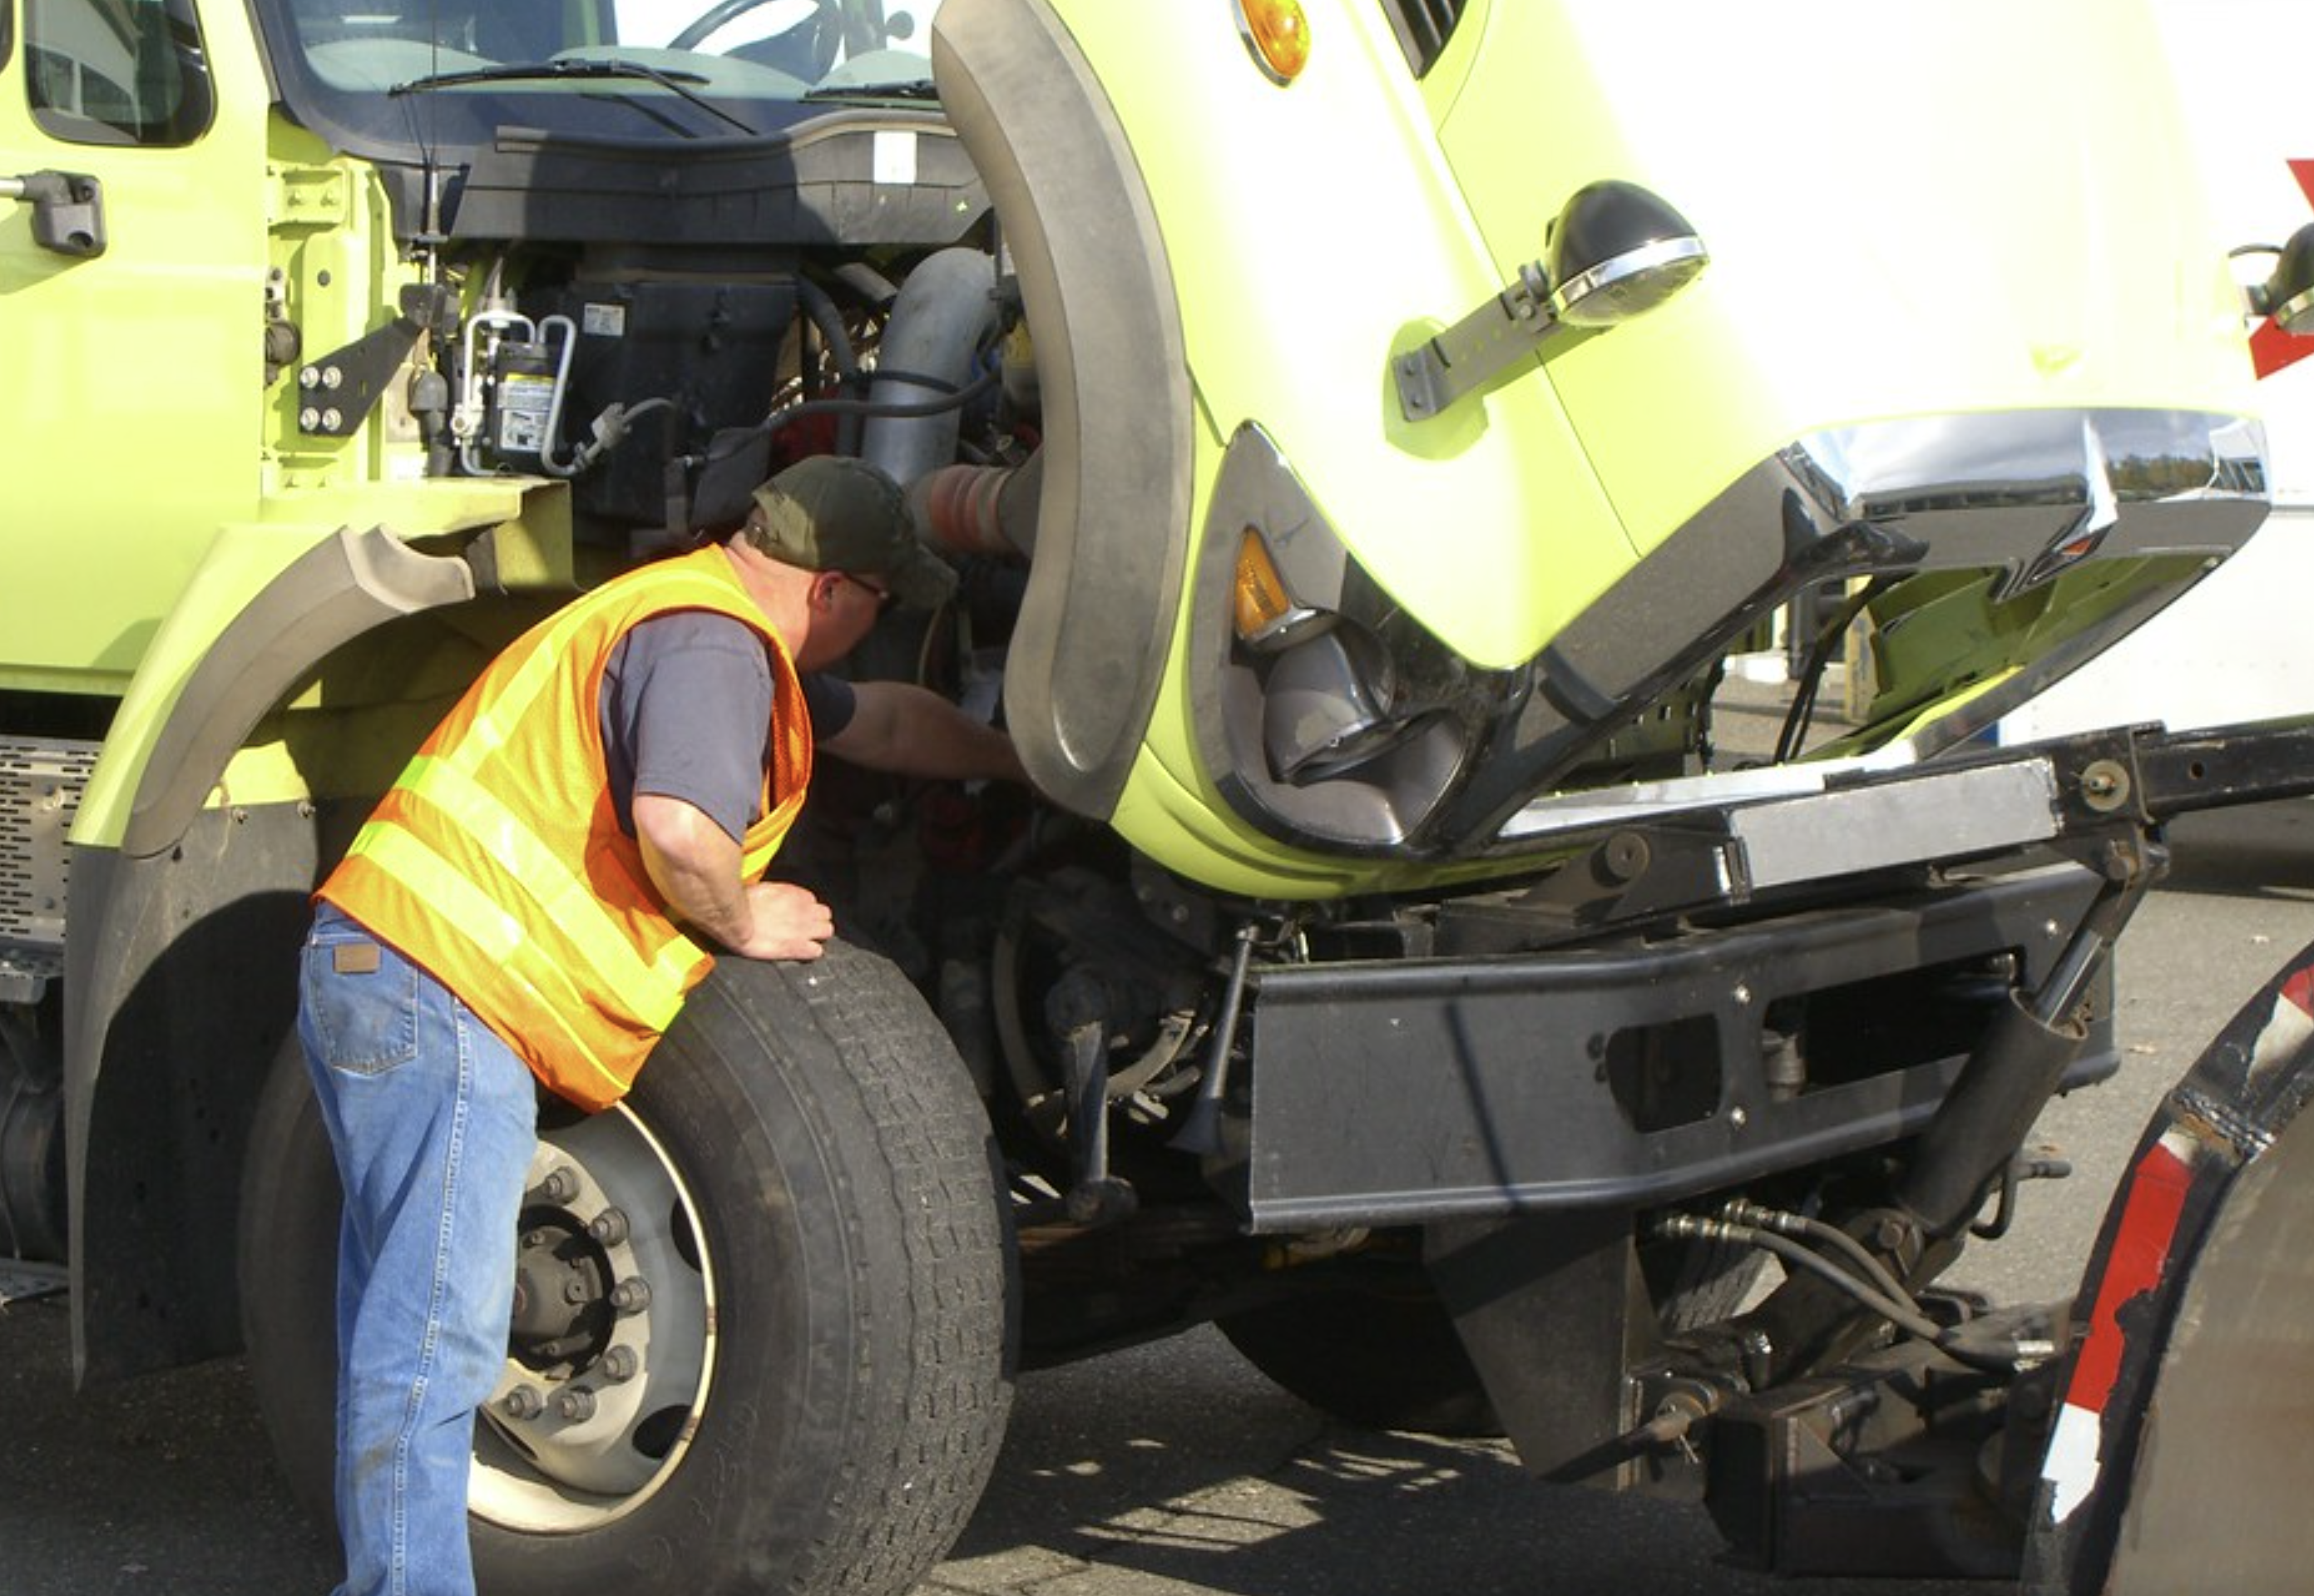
695, 863
788, 923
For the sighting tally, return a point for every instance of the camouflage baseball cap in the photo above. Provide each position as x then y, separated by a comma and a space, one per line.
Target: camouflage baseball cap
834, 512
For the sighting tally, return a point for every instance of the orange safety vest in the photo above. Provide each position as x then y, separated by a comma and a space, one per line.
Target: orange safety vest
497, 861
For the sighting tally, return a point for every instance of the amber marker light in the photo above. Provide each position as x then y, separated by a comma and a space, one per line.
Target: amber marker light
1277, 33
1261, 599
1267, 614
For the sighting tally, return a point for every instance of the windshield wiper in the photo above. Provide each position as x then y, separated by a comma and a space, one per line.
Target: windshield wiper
910, 88
515, 72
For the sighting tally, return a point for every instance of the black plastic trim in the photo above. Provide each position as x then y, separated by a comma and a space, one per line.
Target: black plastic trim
179, 987
1410, 1091
811, 185
1090, 651
1424, 29
335, 591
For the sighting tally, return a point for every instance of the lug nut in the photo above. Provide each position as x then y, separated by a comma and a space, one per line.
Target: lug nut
621, 1365
631, 1295
575, 1404
608, 1227
523, 1402
560, 1186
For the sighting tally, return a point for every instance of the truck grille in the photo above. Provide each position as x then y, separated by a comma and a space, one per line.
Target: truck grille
1422, 28
40, 783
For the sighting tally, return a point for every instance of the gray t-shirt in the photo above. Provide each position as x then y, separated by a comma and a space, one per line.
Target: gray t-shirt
686, 713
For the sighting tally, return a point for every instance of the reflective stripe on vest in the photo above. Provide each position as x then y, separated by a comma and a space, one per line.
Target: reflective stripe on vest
497, 861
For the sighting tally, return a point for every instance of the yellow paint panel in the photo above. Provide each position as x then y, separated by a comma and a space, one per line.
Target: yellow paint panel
1313, 231
1924, 209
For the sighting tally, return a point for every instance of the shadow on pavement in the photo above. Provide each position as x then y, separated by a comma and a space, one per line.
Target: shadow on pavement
2261, 850
1175, 1469
1168, 1470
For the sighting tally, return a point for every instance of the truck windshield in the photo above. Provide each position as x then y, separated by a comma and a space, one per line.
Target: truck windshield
382, 77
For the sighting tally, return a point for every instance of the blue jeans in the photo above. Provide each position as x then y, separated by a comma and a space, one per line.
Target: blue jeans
433, 1120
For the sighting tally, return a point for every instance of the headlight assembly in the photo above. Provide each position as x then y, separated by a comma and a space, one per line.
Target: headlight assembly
1327, 714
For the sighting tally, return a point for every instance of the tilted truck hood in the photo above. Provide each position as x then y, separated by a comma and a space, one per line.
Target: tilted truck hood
1962, 327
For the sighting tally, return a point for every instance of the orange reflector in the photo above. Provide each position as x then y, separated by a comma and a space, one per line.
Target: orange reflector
1277, 32
1261, 598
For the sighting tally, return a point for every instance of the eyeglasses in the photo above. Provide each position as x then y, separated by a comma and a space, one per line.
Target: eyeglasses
883, 595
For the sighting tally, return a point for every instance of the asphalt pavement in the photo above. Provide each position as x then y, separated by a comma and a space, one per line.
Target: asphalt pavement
1174, 1469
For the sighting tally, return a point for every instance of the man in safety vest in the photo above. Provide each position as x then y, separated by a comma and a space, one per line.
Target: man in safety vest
534, 898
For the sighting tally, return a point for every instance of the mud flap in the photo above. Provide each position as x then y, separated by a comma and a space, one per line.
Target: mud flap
2176, 1459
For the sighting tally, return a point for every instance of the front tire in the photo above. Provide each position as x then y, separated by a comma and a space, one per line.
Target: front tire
1388, 1357
1376, 1358
808, 1391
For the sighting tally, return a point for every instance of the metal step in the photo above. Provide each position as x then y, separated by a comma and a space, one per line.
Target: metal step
40, 783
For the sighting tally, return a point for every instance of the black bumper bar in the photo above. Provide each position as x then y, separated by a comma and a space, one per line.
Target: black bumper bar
1603, 1068
1412, 1091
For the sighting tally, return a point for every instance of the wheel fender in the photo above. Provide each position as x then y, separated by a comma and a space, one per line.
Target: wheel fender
338, 589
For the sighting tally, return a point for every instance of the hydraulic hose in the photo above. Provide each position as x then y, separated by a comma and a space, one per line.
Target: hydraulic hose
1832, 1236
1899, 1310
820, 309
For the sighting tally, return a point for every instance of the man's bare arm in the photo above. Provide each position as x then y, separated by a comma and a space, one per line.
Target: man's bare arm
695, 863
913, 731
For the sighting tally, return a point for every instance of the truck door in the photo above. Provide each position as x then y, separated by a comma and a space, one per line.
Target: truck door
132, 241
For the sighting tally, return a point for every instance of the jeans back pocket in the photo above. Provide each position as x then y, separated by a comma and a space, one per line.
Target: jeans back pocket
358, 1000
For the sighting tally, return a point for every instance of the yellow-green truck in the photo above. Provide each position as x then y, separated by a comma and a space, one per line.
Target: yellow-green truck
1367, 431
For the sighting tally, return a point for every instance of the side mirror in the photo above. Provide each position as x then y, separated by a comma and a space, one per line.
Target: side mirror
2287, 295
1615, 251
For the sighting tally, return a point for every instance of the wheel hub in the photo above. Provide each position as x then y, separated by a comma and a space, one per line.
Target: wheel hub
609, 1343
562, 1287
